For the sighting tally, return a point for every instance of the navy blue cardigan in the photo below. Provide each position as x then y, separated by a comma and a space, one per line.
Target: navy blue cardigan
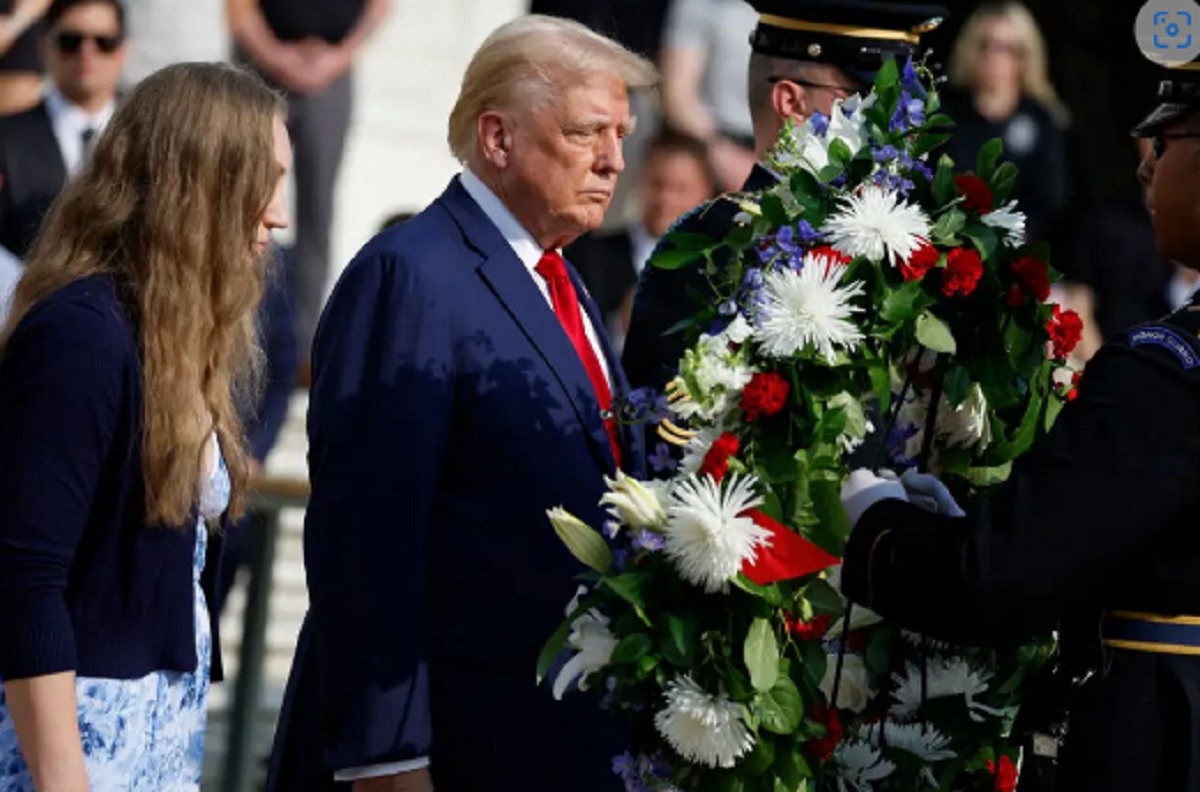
85, 583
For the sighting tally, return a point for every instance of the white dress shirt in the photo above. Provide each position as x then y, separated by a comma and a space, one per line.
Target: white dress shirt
529, 252
642, 245
69, 122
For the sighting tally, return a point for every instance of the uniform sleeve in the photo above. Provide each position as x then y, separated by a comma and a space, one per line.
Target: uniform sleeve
61, 384
1120, 468
379, 423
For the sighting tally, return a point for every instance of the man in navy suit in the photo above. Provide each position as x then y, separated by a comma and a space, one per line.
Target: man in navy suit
463, 385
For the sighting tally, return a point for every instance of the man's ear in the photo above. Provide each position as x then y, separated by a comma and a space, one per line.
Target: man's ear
495, 138
789, 100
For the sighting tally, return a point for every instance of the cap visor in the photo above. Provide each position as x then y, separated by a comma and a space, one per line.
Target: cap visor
1160, 117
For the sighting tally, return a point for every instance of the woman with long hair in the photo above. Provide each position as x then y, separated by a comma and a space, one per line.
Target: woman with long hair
130, 344
1000, 88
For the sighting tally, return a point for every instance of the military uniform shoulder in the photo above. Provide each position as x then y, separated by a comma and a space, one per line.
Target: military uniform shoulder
1175, 338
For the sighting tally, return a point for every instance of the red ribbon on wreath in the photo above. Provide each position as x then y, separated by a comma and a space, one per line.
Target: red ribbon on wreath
788, 555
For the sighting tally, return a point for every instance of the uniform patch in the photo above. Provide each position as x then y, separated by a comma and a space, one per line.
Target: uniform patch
1168, 340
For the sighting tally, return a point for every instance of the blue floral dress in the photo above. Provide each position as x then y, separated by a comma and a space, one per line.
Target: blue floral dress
141, 735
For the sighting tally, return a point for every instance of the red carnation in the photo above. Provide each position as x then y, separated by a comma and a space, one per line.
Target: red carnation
963, 270
1066, 330
1006, 776
1015, 297
812, 630
975, 192
1034, 276
716, 461
920, 262
831, 254
1073, 393
765, 395
823, 747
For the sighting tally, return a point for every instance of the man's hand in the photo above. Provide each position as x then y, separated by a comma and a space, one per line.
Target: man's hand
864, 488
324, 63
416, 781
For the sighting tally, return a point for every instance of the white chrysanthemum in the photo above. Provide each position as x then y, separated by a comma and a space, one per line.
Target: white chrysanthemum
854, 688
921, 740
708, 536
860, 765
1010, 221
594, 643
879, 225
704, 729
809, 310
945, 677
924, 642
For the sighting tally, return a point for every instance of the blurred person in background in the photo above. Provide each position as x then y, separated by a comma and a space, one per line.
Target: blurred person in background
706, 46
20, 60
308, 48
41, 148
162, 32
675, 177
130, 342
1000, 88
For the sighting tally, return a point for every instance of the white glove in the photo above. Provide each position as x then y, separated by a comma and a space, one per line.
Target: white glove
864, 488
926, 491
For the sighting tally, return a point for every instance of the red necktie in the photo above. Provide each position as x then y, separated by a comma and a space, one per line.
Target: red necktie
566, 306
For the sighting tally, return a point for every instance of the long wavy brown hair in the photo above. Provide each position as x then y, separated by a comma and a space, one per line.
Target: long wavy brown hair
169, 205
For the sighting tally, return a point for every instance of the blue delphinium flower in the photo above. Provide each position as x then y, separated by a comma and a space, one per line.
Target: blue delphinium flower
820, 123
885, 154
910, 79
910, 112
645, 539
808, 234
661, 460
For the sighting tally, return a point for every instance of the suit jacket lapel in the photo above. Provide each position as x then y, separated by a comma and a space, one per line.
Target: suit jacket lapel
52, 153
510, 281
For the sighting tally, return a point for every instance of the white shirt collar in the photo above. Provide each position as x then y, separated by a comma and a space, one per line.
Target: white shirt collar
69, 121
517, 236
642, 245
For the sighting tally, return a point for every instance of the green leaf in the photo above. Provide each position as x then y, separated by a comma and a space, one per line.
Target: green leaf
773, 210
887, 76
989, 156
770, 594
689, 240
839, 152
833, 526
935, 334
673, 259
558, 640
943, 181
761, 654
939, 121
781, 708
957, 384
760, 759
901, 304
1004, 180
989, 476
631, 648
679, 644
946, 229
1053, 408
928, 142
631, 587
830, 172
984, 238
881, 384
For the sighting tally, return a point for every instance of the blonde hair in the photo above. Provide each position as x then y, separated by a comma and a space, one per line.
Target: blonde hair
524, 63
169, 206
1035, 73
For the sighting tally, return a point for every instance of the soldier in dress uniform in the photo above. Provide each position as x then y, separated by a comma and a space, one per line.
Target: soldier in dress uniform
1096, 526
806, 54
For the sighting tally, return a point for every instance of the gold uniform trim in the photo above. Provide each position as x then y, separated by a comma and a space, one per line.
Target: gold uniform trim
1154, 618
849, 31
1153, 648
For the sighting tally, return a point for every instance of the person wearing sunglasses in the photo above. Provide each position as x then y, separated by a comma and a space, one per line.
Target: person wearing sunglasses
804, 57
1116, 572
84, 50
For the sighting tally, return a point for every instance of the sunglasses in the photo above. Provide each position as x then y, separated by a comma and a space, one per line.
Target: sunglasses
1160, 141
70, 43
